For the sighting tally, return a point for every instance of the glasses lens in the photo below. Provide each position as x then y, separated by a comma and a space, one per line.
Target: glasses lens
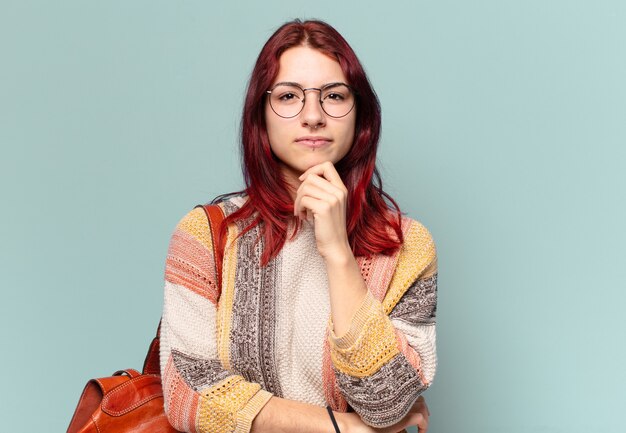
286, 100
337, 100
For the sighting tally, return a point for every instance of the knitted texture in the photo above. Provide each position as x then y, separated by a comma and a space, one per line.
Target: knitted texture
226, 350
416, 254
200, 395
369, 343
363, 356
302, 298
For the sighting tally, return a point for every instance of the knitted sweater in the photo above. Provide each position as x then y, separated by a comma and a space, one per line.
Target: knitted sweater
226, 350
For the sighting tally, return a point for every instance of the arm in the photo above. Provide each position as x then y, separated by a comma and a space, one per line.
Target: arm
382, 362
281, 415
199, 394
287, 416
386, 359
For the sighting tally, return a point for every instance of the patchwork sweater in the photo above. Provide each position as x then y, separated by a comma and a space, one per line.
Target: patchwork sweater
267, 331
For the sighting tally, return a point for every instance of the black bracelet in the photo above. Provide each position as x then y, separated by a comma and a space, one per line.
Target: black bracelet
332, 418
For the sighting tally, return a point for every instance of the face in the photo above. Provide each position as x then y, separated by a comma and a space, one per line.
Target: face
312, 137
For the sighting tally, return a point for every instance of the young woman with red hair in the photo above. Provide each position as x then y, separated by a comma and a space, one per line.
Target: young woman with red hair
324, 317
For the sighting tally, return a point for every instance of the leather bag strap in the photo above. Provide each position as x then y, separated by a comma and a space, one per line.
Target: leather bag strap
215, 215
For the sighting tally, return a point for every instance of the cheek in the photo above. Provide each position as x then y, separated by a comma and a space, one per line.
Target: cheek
269, 123
349, 135
273, 128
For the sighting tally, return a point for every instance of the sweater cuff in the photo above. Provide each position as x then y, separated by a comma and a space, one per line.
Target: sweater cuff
369, 307
246, 415
369, 343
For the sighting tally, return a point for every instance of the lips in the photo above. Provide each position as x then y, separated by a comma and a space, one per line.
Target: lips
313, 141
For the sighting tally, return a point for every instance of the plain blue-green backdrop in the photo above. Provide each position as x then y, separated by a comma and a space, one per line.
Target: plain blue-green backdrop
504, 132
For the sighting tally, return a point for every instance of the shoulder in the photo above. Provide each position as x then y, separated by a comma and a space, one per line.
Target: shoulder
194, 225
416, 260
230, 202
418, 250
190, 260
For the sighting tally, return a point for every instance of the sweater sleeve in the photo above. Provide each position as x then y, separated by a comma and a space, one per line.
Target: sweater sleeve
200, 395
387, 358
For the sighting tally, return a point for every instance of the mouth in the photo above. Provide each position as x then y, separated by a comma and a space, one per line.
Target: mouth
313, 142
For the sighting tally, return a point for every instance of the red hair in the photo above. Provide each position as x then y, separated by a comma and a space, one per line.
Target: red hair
373, 217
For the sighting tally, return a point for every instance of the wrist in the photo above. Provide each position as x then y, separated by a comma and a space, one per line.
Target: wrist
344, 422
339, 255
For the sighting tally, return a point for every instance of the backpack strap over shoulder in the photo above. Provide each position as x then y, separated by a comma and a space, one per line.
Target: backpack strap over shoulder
215, 215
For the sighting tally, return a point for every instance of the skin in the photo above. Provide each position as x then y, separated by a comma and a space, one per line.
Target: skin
309, 68
320, 197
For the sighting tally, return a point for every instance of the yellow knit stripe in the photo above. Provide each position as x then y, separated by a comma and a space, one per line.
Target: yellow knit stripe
417, 253
246, 415
196, 224
225, 306
369, 343
219, 405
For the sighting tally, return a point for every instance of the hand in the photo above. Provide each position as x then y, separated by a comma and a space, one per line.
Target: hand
417, 416
322, 198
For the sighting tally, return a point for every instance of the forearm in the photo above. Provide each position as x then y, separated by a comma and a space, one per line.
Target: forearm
287, 416
347, 288
383, 363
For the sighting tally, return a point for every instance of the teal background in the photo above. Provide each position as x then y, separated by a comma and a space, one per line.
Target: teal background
504, 133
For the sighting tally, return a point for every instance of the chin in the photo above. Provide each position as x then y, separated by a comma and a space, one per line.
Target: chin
313, 162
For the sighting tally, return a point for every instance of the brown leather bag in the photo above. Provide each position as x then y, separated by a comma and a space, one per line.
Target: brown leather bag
129, 401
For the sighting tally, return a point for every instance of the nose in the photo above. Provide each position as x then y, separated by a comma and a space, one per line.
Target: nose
312, 115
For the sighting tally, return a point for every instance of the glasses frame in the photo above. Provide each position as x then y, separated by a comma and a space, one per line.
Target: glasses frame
303, 100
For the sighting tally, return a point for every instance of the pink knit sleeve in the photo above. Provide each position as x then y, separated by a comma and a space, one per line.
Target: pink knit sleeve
200, 395
388, 358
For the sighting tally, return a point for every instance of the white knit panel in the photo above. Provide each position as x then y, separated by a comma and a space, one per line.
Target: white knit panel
188, 324
423, 339
303, 309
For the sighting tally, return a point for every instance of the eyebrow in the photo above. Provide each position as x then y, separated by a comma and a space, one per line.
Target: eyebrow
324, 86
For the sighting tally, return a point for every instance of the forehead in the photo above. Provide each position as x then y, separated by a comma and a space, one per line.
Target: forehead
308, 67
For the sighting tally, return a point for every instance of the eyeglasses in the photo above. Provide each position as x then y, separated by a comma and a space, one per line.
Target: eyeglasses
287, 99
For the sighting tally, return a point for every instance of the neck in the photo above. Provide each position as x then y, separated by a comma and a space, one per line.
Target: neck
291, 177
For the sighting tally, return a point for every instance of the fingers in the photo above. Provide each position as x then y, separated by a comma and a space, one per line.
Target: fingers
422, 414
422, 423
320, 188
425, 405
414, 419
316, 187
314, 192
421, 403
323, 183
322, 199
326, 170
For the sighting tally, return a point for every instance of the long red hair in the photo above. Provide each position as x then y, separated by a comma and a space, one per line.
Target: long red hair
373, 217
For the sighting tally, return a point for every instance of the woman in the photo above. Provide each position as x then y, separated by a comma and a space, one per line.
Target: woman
328, 295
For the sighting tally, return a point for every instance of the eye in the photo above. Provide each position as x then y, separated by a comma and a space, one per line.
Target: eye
287, 96
336, 93
335, 96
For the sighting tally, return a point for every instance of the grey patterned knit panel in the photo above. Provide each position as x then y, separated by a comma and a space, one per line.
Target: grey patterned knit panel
252, 339
199, 373
419, 303
386, 396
